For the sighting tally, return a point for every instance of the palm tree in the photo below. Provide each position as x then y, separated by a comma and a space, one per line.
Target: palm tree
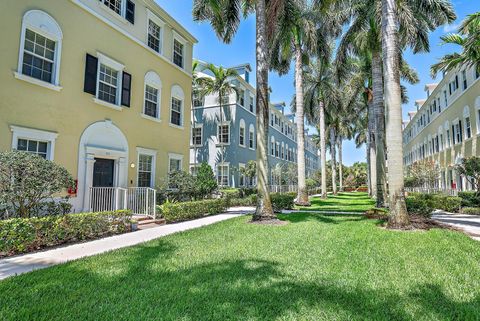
225, 18
321, 95
468, 38
221, 85
304, 28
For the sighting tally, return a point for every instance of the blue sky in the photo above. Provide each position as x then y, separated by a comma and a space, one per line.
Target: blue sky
242, 50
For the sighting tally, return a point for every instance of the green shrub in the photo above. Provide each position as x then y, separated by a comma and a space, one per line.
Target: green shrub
282, 201
469, 199
250, 200
230, 193
247, 191
20, 235
447, 203
420, 204
183, 211
471, 210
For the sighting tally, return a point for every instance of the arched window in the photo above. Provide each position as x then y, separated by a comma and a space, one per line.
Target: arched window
251, 137
241, 139
282, 155
40, 50
153, 91
176, 106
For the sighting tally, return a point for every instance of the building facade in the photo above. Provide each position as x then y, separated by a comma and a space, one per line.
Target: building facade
101, 87
225, 137
446, 126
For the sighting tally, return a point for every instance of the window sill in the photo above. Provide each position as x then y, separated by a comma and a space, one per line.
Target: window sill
222, 144
109, 105
175, 126
36, 81
251, 148
154, 119
243, 146
110, 12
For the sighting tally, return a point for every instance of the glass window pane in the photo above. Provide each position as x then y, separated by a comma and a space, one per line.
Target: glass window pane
32, 146
22, 144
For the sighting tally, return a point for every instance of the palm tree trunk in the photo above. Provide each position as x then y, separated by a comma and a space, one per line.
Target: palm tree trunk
302, 197
340, 163
333, 160
367, 156
264, 210
323, 151
372, 150
398, 217
379, 111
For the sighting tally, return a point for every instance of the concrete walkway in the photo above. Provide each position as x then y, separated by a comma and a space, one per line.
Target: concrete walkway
470, 224
39, 260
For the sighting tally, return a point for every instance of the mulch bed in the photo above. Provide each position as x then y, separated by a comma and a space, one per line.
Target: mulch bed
417, 222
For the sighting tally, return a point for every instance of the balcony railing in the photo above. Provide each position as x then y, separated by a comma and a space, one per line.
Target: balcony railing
140, 200
432, 190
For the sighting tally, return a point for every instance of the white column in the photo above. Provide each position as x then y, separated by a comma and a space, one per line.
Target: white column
89, 163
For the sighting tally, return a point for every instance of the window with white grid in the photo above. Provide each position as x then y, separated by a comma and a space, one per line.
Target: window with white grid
178, 53
197, 136
145, 168
223, 132
38, 56
222, 175
33, 146
151, 101
176, 112
154, 36
115, 5
107, 84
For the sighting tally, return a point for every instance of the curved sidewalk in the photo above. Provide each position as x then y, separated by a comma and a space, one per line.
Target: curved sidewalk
33, 261
469, 224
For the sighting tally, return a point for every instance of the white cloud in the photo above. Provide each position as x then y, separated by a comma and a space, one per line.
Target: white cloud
451, 28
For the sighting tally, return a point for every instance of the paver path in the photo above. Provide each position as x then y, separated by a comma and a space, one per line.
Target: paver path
33, 261
470, 224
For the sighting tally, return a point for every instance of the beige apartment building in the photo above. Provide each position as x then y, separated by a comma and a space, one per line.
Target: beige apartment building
445, 127
102, 87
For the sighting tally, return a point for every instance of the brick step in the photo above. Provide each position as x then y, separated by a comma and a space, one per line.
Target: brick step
158, 221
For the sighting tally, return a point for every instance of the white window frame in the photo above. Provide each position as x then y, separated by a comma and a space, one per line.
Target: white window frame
123, 9
251, 130
198, 125
178, 93
242, 126
174, 156
42, 23
225, 123
251, 105
153, 80
241, 175
466, 114
182, 40
227, 165
111, 63
148, 152
19, 132
159, 22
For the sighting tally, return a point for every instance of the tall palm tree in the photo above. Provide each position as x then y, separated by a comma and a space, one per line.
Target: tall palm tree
221, 85
397, 30
224, 18
468, 38
303, 29
321, 97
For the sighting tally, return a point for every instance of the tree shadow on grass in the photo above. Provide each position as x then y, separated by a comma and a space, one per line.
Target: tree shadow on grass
322, 218
150, 283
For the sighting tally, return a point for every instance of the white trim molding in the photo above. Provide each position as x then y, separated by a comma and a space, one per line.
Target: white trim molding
34, 134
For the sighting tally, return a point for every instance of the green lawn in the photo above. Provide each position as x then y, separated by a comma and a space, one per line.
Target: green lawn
343, 202
317, 267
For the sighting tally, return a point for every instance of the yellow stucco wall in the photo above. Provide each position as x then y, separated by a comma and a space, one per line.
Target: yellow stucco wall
70, 111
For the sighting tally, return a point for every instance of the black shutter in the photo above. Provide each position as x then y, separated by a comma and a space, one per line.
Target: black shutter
126, 86
130, 12
453, 134
461, 130
90, 82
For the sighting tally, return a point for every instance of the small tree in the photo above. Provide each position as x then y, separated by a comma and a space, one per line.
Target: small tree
205, 182
250, 170
470, 168
424, 173
27, 180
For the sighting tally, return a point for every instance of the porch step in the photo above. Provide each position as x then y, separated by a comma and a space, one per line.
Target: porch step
144, 220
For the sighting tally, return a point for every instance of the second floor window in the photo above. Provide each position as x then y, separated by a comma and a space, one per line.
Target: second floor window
251, 139
176, 112
468, 129
108, 84
151, 101
38, 56
464, 79
251, 105
154, 36
223, 132
197, 136
242, 136
178, 53
115, 5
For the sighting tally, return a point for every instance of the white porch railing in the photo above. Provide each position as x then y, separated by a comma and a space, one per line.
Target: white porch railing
283, 188
140, 200
448, 191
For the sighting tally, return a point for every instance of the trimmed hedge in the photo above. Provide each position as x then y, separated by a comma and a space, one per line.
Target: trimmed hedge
250, 200
469, 199
448, 203
21, 235
424, 204
184, 211
283, 201
471, 210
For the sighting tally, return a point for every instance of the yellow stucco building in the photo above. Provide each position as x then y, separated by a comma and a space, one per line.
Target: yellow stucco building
445, 127
102, 87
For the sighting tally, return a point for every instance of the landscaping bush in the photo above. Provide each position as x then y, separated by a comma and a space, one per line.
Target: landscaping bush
471, 210
420, 204
469, 199
447, 203
183, 211
20, 235
230, 193
282, 201
247, 191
